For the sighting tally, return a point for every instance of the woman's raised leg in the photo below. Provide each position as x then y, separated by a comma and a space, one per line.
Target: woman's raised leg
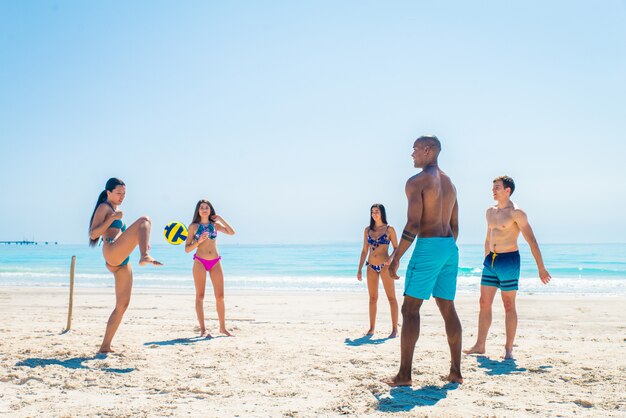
136, 234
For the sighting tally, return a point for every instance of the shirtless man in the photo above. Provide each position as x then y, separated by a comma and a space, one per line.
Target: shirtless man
501, 268
433, 218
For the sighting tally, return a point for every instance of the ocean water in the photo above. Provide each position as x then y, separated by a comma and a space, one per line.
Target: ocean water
575, 268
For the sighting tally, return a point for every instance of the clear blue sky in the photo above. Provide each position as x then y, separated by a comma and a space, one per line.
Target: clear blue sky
293, 117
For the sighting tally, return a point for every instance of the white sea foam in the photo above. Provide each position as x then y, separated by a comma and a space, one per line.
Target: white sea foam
577, 269
465, 284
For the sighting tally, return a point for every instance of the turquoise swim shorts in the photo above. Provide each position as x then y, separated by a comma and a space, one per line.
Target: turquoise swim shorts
433, 269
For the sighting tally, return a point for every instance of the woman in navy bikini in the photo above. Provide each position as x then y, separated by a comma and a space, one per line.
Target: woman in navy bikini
376, 239
118, 243
202, 234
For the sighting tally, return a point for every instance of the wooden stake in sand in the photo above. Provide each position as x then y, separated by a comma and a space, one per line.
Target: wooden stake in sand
69, 312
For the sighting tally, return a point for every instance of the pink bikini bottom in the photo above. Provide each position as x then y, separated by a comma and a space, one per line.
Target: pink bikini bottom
208, 264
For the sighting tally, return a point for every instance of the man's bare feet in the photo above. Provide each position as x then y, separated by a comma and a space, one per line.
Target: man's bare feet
226, 333
104, 350
145, 260
454, 377
475, 350
393, 334
370, 332
396, 381
205, 334
508, 354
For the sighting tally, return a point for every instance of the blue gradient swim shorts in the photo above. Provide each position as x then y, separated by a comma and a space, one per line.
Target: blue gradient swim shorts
501, 270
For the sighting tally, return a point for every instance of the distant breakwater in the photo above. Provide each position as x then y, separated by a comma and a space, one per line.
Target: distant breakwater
26, 242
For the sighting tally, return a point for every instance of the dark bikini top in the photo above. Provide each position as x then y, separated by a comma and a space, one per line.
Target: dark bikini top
382, 240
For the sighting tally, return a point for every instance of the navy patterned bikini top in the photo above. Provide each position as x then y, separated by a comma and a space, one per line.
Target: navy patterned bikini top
210, 228
382, 240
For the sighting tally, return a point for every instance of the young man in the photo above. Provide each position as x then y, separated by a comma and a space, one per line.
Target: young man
501, 268
432, 271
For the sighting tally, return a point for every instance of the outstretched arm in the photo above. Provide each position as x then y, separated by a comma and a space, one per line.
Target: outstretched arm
412, 227
521, 220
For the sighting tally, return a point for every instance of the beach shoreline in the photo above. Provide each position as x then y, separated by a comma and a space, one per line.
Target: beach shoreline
301, 354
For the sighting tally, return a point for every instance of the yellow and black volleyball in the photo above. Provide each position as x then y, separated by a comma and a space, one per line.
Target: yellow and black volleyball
175, 232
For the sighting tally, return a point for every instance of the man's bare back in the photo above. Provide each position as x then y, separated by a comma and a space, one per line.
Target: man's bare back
437, 194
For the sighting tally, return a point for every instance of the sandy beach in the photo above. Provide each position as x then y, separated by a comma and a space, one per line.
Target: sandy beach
299, 354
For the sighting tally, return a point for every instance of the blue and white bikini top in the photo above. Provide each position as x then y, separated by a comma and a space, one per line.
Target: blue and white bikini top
210, 228
382, 240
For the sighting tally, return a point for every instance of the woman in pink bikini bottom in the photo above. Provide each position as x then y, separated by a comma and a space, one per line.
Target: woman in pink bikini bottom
202, 237
208, 264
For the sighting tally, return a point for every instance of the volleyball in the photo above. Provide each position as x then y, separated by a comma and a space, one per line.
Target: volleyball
175, 232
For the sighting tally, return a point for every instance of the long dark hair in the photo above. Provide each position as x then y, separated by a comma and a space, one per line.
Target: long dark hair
196, 214
112, 183
383, 215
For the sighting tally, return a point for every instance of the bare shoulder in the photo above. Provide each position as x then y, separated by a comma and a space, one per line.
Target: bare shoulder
517, 209
100, 214
366, 230
418, 181
518, 213
444, 178
415, 178
391, 229
103, 208
193, 226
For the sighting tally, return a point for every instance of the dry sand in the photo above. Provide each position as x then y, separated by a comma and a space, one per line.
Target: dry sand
301, 355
